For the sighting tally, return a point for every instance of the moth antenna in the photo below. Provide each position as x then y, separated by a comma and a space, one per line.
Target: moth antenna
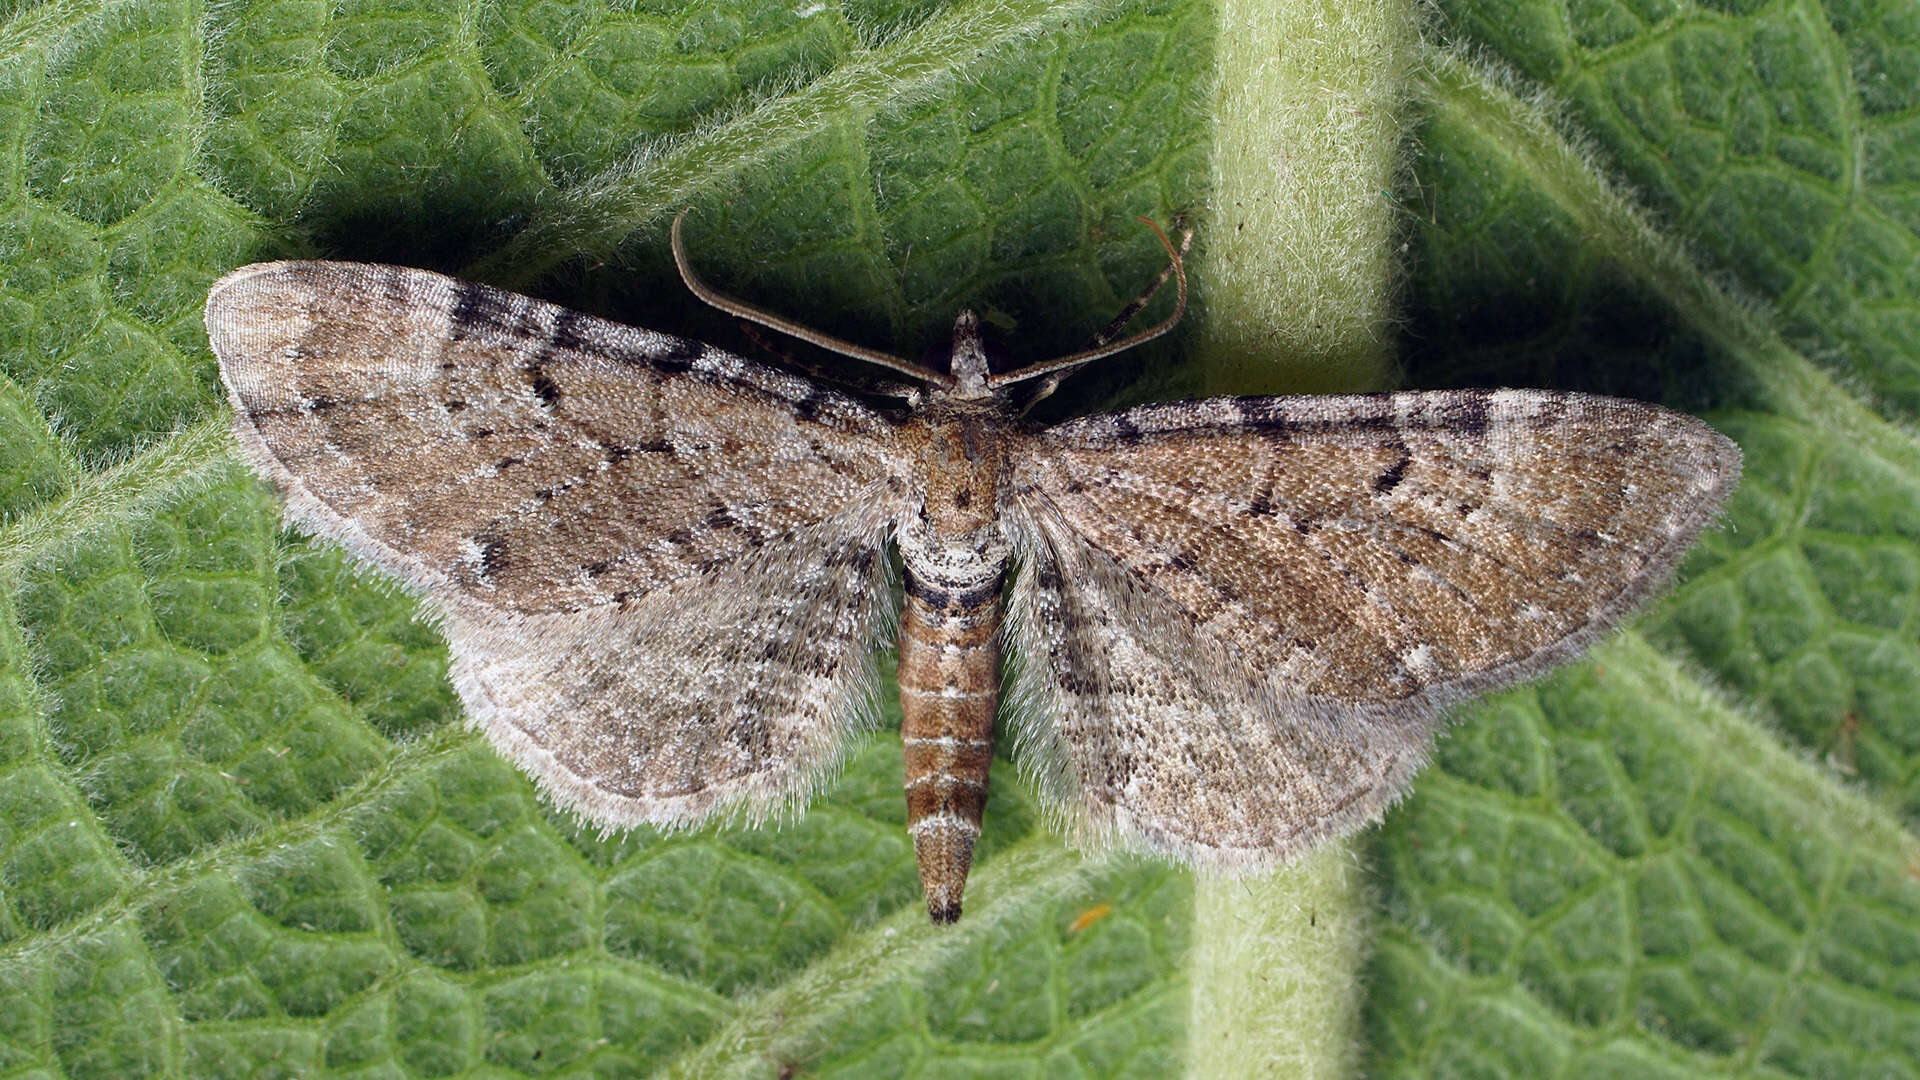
751, 313
1137, 304
876, 387
1058, 369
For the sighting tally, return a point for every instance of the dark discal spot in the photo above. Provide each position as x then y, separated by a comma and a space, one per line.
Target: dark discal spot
546, 494
651, 446
720, 518
506, 463
480, 433
620, 598
963, 498
1182, 562
1262, 504
456, 406
1305, 525
1075, 487
598, 568
493, 555
1125, 429
323, 403
1390, 479
679, 538
543, 385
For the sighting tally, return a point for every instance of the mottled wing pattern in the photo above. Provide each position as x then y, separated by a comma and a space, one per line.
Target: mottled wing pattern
1244, 615
577, 496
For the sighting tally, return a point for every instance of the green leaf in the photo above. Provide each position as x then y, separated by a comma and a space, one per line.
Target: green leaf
243, 830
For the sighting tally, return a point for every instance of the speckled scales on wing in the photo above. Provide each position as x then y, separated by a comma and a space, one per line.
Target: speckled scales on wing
1261, 584
1380, 548
737, 691
1138, 728
525, 455
661, 568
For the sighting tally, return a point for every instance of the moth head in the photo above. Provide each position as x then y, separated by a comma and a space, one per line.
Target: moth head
967, 360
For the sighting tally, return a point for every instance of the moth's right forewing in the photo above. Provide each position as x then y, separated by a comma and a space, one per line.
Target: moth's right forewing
1390, 548
661, 567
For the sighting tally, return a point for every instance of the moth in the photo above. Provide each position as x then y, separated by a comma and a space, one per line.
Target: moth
663, 570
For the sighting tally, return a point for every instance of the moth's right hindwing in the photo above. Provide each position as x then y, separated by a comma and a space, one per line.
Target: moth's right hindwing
737, 691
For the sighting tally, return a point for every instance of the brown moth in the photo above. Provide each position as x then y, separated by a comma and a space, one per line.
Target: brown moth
662, 570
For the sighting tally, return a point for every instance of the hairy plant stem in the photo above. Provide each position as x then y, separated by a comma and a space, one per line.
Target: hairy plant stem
1309, 139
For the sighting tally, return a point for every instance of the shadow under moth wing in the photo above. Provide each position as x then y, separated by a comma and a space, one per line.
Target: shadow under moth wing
661, 569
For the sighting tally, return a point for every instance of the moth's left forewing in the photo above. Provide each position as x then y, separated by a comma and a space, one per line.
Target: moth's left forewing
1328, 572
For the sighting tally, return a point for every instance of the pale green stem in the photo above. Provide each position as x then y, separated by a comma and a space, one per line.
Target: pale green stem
1298, 268
1275, 970
1309, 138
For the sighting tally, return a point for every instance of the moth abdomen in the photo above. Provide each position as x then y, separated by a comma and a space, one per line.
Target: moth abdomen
949, 688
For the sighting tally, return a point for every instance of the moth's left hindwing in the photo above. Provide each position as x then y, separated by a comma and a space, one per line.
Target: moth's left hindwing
598, 510
1244, 614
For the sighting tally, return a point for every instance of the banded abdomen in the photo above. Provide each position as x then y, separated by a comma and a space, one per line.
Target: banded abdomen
955, 557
